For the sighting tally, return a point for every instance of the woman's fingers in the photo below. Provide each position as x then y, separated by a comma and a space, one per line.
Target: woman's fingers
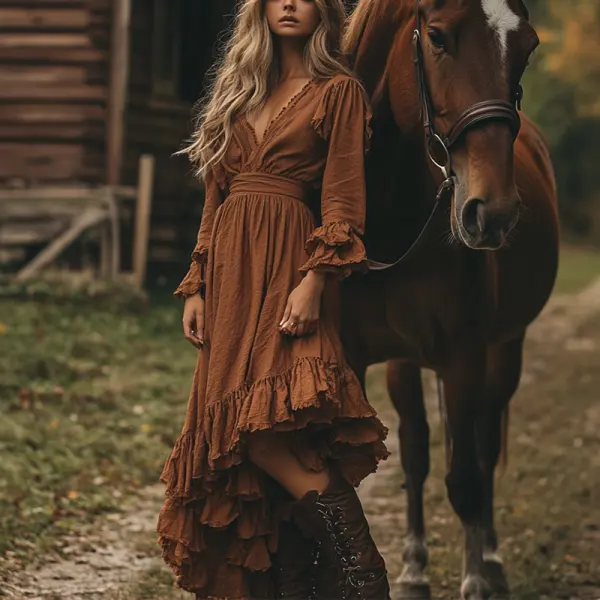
299, 327
286, 323
200, 327
189, 323
286, 313
291, 325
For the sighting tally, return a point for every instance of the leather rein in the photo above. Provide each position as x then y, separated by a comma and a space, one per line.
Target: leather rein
481, 112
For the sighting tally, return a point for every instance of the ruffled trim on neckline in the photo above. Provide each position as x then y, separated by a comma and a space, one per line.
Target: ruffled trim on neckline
215, 495
337, 248
195, 280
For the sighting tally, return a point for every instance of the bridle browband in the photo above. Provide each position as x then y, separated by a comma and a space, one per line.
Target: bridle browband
481, 112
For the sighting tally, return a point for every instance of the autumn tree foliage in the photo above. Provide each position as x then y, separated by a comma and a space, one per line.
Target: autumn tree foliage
563, 96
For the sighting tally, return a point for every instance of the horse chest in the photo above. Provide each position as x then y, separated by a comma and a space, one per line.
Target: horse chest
427, 318
418, 316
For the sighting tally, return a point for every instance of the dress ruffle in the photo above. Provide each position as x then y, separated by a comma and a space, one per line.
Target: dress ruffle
326, 112
195, 280
216, 498
337, 248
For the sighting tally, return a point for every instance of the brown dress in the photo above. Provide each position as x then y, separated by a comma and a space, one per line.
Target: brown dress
260, 232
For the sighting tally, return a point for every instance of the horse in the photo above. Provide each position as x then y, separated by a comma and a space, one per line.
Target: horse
461, 187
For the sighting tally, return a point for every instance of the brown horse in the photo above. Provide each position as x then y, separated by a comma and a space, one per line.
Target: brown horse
485, 257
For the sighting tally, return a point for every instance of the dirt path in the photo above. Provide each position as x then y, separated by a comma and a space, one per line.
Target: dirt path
116, 559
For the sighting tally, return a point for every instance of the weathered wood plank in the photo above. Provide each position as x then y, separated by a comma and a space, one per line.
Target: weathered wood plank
51, 75
52, 55
39, 114
143, 210
8, 255
60, 132
53, 91
43, 18
69, 196
90, 218
46, 40
24, 234
47, 3
118, 90
44, 162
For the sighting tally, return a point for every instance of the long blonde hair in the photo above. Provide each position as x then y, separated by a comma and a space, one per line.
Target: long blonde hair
242, 78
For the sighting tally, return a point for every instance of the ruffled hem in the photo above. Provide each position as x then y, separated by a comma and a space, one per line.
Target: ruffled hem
337, 248
195, 280
321, 120
215, 498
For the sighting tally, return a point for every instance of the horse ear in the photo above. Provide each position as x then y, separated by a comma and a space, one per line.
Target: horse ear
524, 9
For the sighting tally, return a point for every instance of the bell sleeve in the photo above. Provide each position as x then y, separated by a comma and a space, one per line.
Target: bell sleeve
343, 120
194, 282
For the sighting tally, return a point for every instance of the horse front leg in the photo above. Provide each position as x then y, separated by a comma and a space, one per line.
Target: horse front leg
406, 391
504, 366
464, 387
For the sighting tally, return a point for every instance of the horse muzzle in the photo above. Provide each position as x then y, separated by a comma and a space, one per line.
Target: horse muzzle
484, 224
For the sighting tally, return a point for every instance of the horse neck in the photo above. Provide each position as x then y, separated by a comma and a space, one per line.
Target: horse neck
398, 168
385, 21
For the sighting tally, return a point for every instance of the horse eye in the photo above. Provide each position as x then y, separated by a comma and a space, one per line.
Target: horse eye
436, 37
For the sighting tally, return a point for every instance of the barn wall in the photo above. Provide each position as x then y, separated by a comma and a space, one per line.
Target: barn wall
159, 122
53, 90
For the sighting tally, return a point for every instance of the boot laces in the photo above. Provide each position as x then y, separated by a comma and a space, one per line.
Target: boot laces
342, 544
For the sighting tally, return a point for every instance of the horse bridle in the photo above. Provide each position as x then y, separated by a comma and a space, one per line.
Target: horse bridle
481, 112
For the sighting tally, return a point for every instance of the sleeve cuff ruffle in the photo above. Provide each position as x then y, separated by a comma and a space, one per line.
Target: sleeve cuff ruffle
336, 248
195, 280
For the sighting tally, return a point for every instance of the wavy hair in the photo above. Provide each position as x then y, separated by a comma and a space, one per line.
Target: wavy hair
243, 76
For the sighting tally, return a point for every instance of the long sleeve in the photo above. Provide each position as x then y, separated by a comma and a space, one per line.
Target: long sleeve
194, 282
343, 119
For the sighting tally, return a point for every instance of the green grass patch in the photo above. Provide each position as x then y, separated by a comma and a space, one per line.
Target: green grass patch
92, 400
577, 267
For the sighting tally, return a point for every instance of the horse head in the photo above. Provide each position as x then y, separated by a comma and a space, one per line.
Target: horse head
450, 71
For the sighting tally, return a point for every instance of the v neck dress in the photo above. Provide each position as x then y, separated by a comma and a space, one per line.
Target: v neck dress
273, 210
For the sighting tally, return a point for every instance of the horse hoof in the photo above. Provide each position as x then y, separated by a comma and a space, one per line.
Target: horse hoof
494, 575
475, 587
411, 591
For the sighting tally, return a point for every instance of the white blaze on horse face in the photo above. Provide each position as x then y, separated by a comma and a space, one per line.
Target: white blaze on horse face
501, 19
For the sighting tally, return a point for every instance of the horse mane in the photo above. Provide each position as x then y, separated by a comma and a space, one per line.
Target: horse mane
355, 25
369, 35
371, 31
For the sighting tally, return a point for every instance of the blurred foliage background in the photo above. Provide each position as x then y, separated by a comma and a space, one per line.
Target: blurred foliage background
562, 94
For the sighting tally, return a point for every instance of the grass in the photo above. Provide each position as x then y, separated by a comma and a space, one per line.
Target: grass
577, 267
93, 389
92, 400
547, 501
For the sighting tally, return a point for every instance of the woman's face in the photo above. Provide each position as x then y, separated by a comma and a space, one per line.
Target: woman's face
292, 18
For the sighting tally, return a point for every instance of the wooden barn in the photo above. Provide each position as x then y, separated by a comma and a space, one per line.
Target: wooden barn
87, 88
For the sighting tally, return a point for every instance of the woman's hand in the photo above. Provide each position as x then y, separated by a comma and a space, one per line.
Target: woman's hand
193, 320
303, 306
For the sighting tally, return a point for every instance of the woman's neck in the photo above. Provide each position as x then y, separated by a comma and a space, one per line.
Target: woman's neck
290, 57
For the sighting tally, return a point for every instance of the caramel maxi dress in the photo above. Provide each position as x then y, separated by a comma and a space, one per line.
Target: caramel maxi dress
273, 210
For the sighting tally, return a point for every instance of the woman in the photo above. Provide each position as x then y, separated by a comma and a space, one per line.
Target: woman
260, 484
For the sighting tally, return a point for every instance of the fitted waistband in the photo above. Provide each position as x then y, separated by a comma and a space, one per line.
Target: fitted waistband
265, 183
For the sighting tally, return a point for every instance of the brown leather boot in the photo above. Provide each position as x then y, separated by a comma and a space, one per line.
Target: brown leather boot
349, 564
294, 564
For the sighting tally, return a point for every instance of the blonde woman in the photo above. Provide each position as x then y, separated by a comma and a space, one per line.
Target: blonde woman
260, 499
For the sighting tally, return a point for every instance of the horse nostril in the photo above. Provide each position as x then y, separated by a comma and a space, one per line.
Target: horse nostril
473, 216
